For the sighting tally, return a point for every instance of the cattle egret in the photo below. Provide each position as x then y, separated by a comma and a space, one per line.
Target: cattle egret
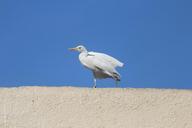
102, 65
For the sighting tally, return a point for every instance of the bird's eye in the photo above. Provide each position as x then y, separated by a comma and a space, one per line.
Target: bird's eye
80, 48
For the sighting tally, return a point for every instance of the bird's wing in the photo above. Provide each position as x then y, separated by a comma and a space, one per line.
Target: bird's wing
104, 67
112, 61
96, 63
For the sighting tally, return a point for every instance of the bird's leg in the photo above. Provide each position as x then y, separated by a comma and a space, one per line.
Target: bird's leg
117, 83
95, 82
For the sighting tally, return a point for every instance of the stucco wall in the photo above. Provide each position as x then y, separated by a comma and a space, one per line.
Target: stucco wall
67, 107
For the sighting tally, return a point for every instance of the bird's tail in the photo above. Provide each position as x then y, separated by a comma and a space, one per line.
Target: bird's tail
116, 76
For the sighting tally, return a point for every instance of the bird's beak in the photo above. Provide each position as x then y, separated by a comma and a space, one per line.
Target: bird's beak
73, 49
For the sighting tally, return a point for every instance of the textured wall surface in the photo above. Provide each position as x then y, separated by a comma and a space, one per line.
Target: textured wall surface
68, 107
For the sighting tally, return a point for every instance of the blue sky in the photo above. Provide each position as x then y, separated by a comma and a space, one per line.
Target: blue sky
153, 39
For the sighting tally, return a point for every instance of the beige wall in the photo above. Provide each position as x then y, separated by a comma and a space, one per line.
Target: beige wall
67, 107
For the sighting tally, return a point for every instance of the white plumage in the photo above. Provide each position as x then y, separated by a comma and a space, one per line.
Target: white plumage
102, 65
113, 62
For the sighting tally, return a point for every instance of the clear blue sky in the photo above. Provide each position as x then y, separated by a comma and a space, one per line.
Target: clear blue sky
152, 37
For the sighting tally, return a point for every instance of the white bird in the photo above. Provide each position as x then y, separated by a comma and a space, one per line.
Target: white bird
102, 65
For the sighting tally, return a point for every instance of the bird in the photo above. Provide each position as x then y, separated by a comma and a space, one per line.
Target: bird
102, 65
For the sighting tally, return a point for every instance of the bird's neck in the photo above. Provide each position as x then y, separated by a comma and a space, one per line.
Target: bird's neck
84, 52
83, 55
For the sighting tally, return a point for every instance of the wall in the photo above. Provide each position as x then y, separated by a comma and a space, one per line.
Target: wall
68, 107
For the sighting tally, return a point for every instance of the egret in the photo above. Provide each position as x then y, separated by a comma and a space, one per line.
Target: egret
102, 65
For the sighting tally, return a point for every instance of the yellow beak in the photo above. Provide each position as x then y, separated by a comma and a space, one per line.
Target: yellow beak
73, 49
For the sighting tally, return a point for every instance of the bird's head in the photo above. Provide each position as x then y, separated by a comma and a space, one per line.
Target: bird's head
79, 48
